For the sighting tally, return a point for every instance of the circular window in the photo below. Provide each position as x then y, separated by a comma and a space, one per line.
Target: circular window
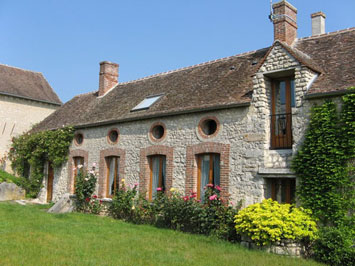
157, 131
112, 136
79, 138
208, 127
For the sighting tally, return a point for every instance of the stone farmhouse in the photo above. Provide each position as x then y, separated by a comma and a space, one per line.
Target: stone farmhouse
235, 122
26, 98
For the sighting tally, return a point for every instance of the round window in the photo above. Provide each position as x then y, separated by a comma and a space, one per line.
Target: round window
113, 136
157, 132
79, 138
208, 127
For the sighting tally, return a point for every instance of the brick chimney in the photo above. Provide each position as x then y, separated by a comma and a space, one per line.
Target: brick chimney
285, 22
318, 23
108, 77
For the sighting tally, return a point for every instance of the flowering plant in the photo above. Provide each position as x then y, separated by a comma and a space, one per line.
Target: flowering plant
84, 189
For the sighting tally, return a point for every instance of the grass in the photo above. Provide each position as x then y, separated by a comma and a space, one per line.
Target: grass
30, 236
6, 177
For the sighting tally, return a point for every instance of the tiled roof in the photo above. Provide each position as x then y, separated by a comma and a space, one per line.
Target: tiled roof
26, 84
221, 83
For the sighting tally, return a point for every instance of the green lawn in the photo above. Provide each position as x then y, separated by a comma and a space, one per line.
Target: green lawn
30, 236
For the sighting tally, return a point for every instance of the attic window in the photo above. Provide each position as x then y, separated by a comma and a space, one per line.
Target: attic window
146, 103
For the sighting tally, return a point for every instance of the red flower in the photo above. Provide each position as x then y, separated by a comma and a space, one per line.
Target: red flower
193, 196
186, 198
95, 197
87, 199
100, 201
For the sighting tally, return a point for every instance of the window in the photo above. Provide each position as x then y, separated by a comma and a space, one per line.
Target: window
208, 127
26, 170
157, 132
112, 163
208, 172
282, 101
146, 103
157, 165
282, 189
78, 167
112, 136
78, 139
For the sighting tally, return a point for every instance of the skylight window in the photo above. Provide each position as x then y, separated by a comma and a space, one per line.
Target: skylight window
147, 102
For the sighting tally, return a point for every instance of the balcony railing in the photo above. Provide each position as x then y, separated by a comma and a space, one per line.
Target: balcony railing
281, 131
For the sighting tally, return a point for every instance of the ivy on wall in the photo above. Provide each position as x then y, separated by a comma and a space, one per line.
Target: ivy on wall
322, 163
35, 150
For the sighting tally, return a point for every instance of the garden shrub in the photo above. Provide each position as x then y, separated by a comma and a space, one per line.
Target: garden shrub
335, 246
85, 186
178, 212
268, 222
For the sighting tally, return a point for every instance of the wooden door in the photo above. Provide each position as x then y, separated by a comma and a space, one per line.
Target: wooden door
50, 182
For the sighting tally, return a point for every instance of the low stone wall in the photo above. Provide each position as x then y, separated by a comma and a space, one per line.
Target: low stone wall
9, 191
285, 247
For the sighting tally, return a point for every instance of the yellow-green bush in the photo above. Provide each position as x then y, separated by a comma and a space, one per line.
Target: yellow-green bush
270, 221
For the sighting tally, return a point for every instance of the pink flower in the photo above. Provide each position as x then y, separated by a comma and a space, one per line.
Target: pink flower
94, 165
159, 189
193, 196
213, 197
186, 198
218, 188
80, 166
209, 185
136, 184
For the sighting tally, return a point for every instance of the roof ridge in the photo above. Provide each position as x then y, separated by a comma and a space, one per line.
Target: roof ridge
326, 34
37, 72
188, 67
85, 93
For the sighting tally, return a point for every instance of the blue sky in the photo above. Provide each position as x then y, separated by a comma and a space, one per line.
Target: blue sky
66, 40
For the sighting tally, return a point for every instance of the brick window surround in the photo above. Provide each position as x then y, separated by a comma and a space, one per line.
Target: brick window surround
192, 153
102, 180
72, 154
144, 175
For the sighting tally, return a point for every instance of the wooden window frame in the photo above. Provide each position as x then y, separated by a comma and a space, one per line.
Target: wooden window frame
281, 141
76, 164
160, 182
116, 177
210, 174
280, 184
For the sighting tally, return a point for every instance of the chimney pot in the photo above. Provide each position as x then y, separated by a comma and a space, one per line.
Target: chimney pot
285, 22
108, 77
318, 23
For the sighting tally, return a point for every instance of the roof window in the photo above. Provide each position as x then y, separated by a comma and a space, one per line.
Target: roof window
146, 103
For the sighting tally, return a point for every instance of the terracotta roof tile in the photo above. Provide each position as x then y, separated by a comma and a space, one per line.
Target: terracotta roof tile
27, 84
224, 82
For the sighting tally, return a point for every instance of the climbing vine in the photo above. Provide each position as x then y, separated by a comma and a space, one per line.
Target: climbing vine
322, 163
31, 151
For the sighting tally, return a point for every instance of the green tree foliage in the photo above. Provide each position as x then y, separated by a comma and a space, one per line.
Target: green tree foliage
37, 148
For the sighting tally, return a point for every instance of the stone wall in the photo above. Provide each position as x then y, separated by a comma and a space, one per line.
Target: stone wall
243, 137
17, 116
